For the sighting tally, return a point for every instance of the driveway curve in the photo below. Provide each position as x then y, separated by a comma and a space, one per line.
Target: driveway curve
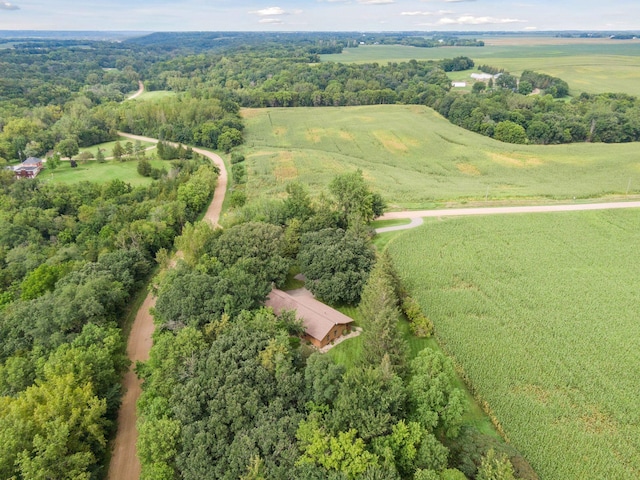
125, 464
458, 212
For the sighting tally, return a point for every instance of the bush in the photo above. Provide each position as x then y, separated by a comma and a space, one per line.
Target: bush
237, 199
236, 158
421, 326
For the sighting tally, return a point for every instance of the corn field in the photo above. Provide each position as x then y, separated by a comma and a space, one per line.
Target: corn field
542, 313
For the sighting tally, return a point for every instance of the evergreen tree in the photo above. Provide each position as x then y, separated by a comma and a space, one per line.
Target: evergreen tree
380, 314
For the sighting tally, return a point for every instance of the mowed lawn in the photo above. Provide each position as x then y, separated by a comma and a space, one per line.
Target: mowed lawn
541, 312
417, 159
588, 65
101, 172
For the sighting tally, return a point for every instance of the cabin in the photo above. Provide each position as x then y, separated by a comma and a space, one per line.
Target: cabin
322, 324
30, 168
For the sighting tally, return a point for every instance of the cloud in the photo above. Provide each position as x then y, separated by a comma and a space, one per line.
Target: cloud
8, 6
265, 12
375, 2
471, 20
458, 1
415, 14
530, 28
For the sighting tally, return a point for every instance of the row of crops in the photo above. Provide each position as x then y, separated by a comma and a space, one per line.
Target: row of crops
541, 312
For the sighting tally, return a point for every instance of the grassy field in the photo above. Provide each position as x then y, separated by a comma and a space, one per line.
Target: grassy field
417, 159
593, 66
100, 172
541, 313
153, 95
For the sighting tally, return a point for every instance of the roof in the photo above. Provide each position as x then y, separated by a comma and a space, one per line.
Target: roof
32, 161
318, 319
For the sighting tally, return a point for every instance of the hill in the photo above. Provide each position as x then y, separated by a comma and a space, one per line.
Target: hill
417, 159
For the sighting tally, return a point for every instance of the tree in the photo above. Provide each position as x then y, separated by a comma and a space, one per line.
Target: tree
479, 87
495, 467
380, 314
100, 156
229, 139
197, 239
510, 132
68, 147
435, 401
344, 453
117, 151
370, 400
336, 264
53, 162
355, 201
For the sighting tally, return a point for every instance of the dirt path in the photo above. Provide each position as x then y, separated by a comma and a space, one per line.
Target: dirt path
124, 460
456, 212
139, 92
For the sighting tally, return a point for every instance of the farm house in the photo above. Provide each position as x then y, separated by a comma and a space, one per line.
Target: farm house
29, 168
322, 324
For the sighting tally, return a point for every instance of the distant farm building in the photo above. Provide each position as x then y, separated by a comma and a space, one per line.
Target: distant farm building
322, 323
484, 77
30, 168
458, 84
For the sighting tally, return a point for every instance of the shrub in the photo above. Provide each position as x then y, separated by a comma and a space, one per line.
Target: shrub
421, 326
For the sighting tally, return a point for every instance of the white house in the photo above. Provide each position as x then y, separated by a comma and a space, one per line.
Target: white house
458, 84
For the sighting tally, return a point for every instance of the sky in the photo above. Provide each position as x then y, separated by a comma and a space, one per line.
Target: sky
319, 15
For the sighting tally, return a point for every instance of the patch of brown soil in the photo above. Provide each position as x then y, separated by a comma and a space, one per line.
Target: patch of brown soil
468, 169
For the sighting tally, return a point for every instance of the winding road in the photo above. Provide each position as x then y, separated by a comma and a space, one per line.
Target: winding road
417, 215
124, 463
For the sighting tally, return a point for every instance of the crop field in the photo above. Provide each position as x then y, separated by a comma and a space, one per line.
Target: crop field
541, 313
100, 172
593, 66
417, 159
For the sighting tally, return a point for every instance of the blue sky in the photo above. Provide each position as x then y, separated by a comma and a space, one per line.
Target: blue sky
325, 15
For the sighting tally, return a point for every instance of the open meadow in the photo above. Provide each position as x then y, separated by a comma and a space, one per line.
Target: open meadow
101, 172
541, 313
588, 65
417, 159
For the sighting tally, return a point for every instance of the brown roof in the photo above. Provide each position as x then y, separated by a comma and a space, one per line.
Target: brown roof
318, 319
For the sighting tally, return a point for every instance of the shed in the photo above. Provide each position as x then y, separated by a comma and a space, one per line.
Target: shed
322, 324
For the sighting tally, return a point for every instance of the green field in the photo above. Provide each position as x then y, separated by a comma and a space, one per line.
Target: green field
100, 172
593, 67
541, 311
417, 159
153, 95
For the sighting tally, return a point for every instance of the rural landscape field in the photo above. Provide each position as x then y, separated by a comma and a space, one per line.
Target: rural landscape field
419, 160
285, 254
588, 65
539, 312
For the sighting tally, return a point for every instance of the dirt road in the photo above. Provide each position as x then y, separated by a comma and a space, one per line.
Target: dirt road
124, 460
138, 93
456, 212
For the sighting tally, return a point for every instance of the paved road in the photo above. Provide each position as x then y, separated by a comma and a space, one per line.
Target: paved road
457, 212
124, 463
